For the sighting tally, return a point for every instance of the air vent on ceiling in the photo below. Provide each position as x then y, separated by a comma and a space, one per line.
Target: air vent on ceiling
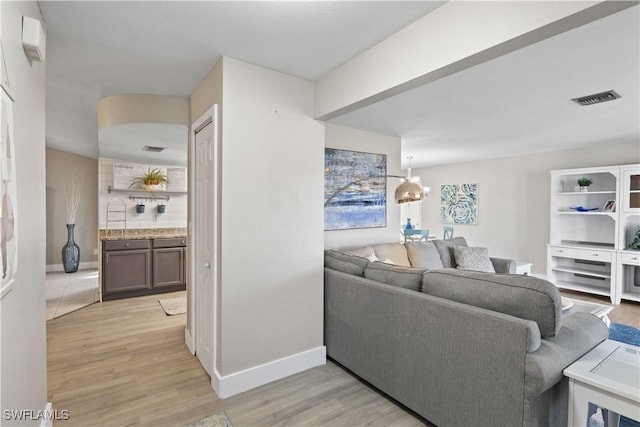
153, 149
597, 98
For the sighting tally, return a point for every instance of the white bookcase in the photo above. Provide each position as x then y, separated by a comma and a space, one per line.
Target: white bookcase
628, 265
586, 248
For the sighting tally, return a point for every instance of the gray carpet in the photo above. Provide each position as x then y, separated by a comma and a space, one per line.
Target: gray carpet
218, 420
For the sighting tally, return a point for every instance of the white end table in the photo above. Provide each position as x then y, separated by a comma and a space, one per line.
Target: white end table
607, 376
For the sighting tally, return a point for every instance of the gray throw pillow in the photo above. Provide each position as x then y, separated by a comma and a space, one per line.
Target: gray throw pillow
423, 255
472, 258
395, 275
344, 262
445, 249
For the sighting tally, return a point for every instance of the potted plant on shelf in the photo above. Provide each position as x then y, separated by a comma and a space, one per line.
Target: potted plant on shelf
584, 183
151, 180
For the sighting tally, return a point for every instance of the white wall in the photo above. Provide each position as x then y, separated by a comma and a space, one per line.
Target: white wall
514, 197
271, 301
358, 140
23, 367
175, 215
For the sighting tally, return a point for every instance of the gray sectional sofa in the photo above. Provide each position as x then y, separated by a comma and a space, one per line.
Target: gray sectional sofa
458, 347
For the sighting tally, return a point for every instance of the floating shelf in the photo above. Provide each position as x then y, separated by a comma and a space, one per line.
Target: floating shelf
583, 193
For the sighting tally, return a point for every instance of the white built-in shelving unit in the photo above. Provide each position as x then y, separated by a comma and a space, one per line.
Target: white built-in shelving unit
586, 250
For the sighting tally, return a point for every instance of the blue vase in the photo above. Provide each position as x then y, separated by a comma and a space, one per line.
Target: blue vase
70, 252
408, 226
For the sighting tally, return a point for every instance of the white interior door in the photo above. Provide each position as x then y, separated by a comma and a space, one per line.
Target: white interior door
204, 270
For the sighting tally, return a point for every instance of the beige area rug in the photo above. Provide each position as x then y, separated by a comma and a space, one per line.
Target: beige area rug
218, 420
173, 306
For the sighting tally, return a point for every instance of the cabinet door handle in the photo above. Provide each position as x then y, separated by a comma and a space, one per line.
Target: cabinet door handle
127, 244
595, 254
183, 242
635, 258
207, 265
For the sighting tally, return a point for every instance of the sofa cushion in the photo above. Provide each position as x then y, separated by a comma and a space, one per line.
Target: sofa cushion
525, 297
366, 252
396, 252
473, 258
445, 249
395, 275
423, 255
344, 262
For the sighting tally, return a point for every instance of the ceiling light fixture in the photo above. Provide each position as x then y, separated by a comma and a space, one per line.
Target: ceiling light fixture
597, 98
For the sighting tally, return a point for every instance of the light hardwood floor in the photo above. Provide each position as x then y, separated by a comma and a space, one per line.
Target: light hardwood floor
627, 313
124, 363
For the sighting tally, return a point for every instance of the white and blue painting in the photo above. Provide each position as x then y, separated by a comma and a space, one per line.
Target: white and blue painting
459, 204
363, 203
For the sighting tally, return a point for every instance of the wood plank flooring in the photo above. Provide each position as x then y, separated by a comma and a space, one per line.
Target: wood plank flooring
124, 363
628, 312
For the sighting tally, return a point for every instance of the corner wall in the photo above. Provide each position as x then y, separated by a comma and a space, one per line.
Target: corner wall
345, 138
514, 197
23, 353
60, 168
271, 304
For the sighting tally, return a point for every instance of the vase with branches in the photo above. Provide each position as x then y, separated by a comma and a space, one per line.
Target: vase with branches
71, 251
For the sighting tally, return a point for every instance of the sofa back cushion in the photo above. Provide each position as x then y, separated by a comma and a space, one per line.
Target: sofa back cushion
423, 255
395, 275
365, 252
344, 262
521, 296
394, 252
445, 249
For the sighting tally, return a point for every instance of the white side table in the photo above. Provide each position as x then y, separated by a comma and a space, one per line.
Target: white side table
523, 267
608, 376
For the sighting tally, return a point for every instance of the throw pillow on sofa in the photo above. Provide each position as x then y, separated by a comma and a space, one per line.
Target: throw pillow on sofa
395, 275
525, 297
473, 258
396, 252
445, 249
423, 255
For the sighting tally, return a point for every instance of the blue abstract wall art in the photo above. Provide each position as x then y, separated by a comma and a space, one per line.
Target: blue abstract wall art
360, 205
459, 204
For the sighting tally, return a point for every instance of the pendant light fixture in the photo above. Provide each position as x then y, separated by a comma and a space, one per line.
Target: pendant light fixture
410, 189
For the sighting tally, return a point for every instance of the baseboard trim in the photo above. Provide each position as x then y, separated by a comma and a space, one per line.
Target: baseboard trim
229, 385
81, 266
47, 421
188, 341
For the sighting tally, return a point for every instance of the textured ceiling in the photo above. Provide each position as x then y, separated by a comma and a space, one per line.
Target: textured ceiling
99, 49
520, 103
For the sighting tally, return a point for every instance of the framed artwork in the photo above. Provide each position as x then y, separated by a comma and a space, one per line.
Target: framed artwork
8, 198
609, 206
459, 204
355, 190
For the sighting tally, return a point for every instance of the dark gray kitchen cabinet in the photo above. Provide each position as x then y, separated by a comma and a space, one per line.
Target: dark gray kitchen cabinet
126, 267
138, 267
168, 262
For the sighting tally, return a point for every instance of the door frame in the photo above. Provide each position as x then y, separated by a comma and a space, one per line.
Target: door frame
211, 115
